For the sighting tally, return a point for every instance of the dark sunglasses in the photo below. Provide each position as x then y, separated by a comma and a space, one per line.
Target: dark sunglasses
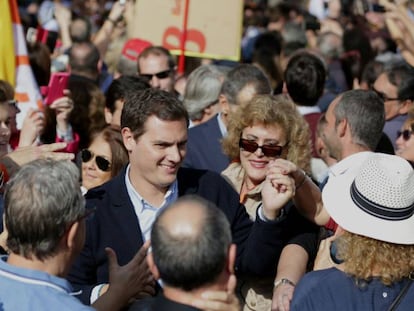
383, 96
159, 75
102, 163
406, 134
272, 151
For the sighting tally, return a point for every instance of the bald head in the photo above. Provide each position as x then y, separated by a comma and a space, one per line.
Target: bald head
184, 219
190, 242
84, 59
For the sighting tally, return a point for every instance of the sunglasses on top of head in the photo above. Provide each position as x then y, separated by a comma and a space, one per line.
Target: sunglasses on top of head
273, 151
160, 75
102, 163
406, 134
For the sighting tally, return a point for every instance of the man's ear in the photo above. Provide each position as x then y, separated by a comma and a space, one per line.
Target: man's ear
405, 106
128, 138
231, 258
108, 115
224, 104
151, 265
342, 127
71, 235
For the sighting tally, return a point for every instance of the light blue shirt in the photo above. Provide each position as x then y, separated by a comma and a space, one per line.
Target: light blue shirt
146, 213
25, 289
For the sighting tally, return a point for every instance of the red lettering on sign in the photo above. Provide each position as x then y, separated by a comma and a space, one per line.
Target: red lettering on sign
172, 37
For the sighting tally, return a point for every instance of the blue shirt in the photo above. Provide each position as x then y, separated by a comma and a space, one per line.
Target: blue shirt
332, 289
25, 289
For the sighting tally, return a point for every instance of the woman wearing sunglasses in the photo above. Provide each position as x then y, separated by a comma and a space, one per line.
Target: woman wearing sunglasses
270, 127
104, 158
405, 139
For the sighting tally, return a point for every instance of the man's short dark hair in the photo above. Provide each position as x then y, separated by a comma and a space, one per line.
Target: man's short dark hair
364, 112
191, 262
138, 107
41, 201
305, 77
122, 86
401, 75
241, 76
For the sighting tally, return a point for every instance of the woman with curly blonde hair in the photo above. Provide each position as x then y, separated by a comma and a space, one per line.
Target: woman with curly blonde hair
283, 129
376, 245
267, 128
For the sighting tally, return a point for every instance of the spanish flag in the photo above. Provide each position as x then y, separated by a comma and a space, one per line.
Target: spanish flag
14, 61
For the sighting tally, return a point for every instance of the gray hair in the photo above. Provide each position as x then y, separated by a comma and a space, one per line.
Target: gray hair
203, 89
189, 262
41, 201
328, 46
364, 111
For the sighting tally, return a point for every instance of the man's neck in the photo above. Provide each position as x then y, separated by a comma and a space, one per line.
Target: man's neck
52, 265
186, 297
352, 149
149, 192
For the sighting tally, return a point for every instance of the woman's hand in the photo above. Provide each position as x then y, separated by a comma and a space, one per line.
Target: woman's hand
278, 188
33, 125
63, 107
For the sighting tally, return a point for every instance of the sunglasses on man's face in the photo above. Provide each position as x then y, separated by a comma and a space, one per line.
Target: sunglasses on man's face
272, 151
406, 134
102, 163
159, 75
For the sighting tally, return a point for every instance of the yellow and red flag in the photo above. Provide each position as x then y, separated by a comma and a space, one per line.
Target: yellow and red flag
14, 61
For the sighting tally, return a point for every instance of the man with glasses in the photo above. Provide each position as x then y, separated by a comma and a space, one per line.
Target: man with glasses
157, 66
395, 86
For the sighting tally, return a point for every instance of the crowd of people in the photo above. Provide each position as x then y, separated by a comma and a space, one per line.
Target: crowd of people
283, 181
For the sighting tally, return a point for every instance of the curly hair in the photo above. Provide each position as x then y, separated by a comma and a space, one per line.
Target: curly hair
271, 110
362, 255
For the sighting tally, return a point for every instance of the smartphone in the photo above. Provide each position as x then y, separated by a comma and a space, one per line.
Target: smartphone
58, 82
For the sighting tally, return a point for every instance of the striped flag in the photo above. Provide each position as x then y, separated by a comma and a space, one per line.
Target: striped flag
14, 61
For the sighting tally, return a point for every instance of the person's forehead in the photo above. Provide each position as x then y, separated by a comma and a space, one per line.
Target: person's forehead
156, 126
154, 59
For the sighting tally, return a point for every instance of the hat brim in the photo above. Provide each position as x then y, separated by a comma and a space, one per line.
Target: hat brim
336, 197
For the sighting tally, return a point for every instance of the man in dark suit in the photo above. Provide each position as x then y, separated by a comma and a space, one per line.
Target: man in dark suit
204, 141
191, 253
154, 129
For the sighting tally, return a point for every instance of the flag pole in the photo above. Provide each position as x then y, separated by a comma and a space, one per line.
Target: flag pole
181, 60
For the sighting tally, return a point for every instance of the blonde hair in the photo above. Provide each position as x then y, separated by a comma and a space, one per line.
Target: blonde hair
366, 258
272, 110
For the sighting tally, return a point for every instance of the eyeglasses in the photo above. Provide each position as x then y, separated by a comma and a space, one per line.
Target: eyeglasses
273, 151
159, 75
383, 96
102, 163
406, 134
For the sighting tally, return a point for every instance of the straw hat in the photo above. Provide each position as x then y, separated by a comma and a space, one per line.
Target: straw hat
377, 203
